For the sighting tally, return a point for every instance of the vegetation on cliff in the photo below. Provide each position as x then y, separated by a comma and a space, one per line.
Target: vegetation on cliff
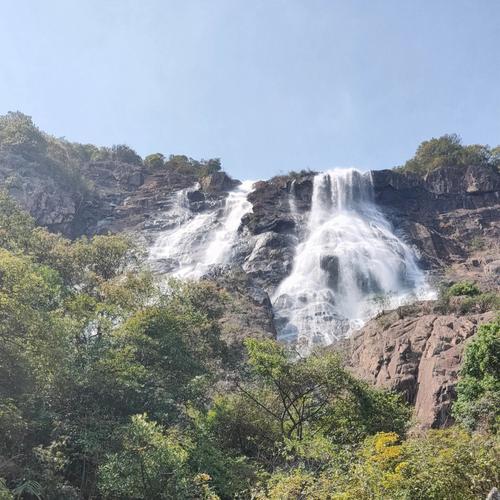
113, 388
448, 151
23, 143
478, 401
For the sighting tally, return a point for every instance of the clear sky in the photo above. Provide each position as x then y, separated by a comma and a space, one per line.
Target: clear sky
267, 85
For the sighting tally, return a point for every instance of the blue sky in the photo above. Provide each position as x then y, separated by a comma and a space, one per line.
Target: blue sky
267, 85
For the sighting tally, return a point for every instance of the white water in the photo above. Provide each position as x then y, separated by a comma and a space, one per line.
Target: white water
202, 240
349, 265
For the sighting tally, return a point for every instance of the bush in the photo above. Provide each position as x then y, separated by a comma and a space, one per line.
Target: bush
483, 302
466, 297
125, 154
19, 135
187, 166
463, 288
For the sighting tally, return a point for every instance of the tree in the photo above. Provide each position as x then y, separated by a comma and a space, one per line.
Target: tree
287, 401
478, 390
151, 463
19, 135
448, 151
125, 154
154, 161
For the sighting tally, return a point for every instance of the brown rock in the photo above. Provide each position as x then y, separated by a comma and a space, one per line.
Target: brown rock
217, 182
418, 356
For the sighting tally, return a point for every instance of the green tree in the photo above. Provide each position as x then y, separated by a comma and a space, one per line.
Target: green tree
448, 151
478, 390
154, 161
125, 154
151, 463
287, 401
19, 135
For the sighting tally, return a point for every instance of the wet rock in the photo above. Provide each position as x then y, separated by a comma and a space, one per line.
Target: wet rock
270, 258
248, 312
330, 264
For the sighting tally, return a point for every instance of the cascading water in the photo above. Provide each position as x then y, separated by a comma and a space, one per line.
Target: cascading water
202, 240
349, 263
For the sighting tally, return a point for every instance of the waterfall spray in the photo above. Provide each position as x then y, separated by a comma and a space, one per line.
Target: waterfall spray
349, 259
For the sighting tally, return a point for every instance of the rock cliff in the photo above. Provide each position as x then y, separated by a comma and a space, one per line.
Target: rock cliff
417, 354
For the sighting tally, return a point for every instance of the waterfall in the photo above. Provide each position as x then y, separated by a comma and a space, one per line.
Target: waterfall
200, 241
348, 265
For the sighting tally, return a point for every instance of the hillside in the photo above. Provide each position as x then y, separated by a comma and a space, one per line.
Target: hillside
170, 332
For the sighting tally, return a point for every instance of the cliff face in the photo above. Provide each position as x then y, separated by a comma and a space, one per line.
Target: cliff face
102, 196
442, 216
418, 355
442, 213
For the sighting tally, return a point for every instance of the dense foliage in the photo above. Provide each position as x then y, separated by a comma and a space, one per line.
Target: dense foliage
182, 164
19, 135
448, 151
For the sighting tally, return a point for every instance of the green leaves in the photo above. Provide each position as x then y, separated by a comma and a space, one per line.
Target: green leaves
151, 463
289, 405
465, 288
448, 151
478, 401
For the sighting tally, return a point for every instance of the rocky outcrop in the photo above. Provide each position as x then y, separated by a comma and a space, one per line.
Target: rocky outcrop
49, 195
280, 208
217, 182
442, 213
277, 202
417, 353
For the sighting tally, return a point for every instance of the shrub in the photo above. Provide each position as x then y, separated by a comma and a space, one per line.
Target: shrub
483, 302
187, 166
461, 288
19, 134
125, 154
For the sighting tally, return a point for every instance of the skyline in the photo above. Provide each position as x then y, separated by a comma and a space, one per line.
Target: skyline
266, 86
